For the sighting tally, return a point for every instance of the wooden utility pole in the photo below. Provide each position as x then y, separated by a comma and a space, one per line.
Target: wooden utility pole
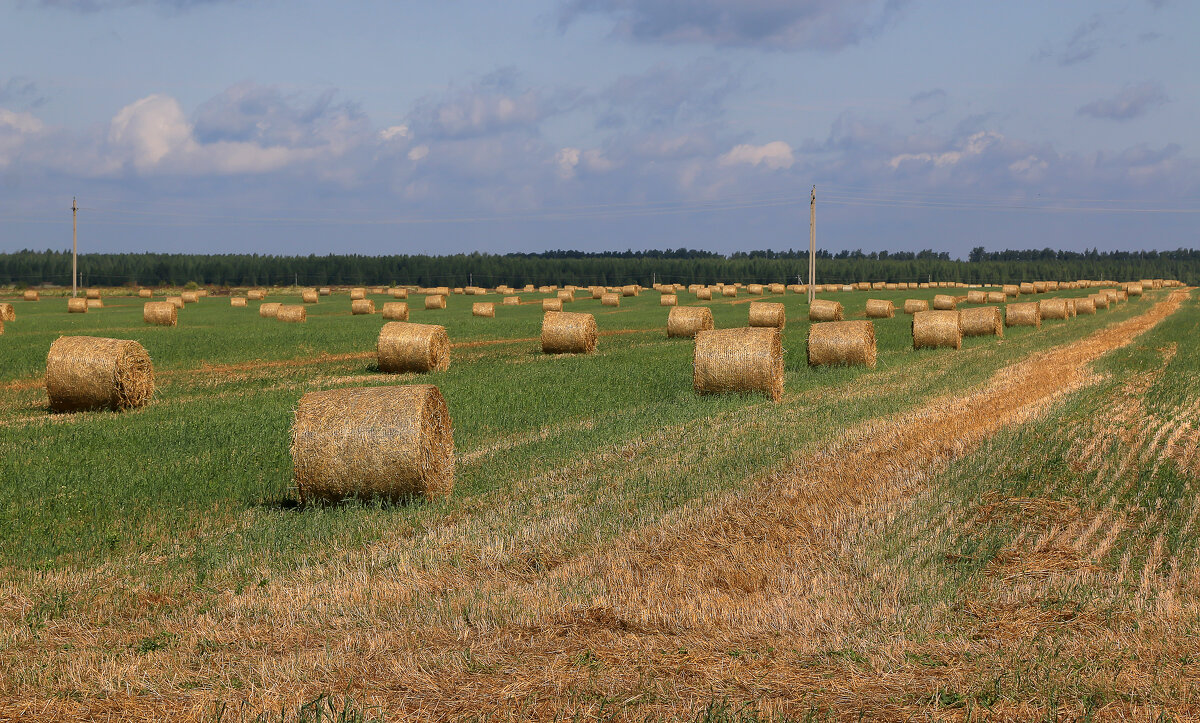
74, 248
812, 244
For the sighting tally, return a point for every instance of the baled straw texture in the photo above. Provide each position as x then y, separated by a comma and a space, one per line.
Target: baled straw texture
606, 300
190, 297
552, 304
256, 295
325, 291
377, 290
94, 303
392, 442
912, 306
775, 288
629, 290
511, 301
566, 296
842, 342
30, 295
1055, 309
269, 310
824, 310
362, 306
754, 289
767, 313
598, 292
1027, 313
976, 297
1100, 301
729, 291
310, 296
1011, 290
936, 329
1085, 306
1040, 287
738, 360
395, 310
7, 312
145, 293
996, 297
92, 293
405, 347
1027, 288
160, 313
704, 294
568, 333
1, 327
77, 306
358, 293
87, 372
880, 309
436, 301
399, 293
176, 300
668, 300
1134, 289
944, 302
292, 313
982, 321
687, 321
237, 301
1113, 295
483, 308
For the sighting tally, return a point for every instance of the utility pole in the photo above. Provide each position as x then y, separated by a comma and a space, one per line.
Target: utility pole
812, 244
74, 248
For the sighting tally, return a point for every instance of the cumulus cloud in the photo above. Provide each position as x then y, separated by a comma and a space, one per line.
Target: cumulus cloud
777, 24
263, 115
773, 155
493, 104
1131, 102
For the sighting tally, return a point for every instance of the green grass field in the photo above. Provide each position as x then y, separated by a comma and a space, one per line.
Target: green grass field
188, 501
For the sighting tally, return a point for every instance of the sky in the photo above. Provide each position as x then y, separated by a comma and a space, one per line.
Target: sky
384, 127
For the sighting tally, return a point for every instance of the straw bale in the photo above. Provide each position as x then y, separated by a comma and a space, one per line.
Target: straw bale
392, 443
630, 290
94, 303
405, 347
77, 306
912, 306
483, 308
1085, 306
237, 301
891, 286
310, 296
982, 321
190, 297
686, 321
269, 310
880, 309
668, 300
902, 286
1027, 288
325, 291
362, 306
766, 313
1100, 301
976, 297
598, 292
92, 293
87, 372
729, 291
160, 313
511, 301
1028, 313
823, 310
704, 294
1135, 289
1071, 313
566, 296
754, 289
554, 304
738, 360
1055, 309
1113, 295
847, 287
528, 288
944, 302
996, 297
941, 328
358, 293
568, 333
395, 310
377, 290
145, 293
435, 301
256, 294
775, 288
8, 312
842, 342
176, 300
293, 313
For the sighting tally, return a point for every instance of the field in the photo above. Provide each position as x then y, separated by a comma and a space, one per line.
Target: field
1008, 531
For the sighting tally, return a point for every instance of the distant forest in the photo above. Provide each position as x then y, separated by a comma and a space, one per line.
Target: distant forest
33, 268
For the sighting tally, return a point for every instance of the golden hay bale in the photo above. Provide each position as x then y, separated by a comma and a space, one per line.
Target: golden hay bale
7, 312
831, 288
566, 297
30, 295
1, 327
668, 300
392, 443
1051, 286
528, 288
1085, 306
880, 309
363, 306
775, 288
160, 313
996, 297
310, 296
944, 302
568, 333
1039, 287
237, 301
176, 300
1071, 313
1027, 288
1113, 295
598, 292
399, 293
435, 302
458, 290
511, 301
1055, 309
704, 294
606, 300
687, 321
145, 293
1134, 289
842, 342
630, 290
395, 310
189, 297
92, 293
405, 347
976, 297
766, 313
269, 310
940, 328
1099, 300
729, 291
77, 306
293, 313
823, 310
377, 290
87, 372
754, 289
256, 294
1010, 289
358, 293
553, 304
738, 360
1027, 313
982, 321
891, 286
483, 308
912, 306
325, 291
94, 303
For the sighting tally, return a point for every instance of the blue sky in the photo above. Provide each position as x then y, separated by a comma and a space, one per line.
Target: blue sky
400, 127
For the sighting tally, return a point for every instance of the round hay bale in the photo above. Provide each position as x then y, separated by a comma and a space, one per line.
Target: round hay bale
292, 313
738, 360
566, 297
568, 333
1010, 289
996, 297
1085, 306
936, 329
363, 306
944, 302
729, 291
1100, 301
687, 321
1135, 289
976, 297
358, 293
766, 313
704, 294
92, 293
436, 301
325, 291
1023, 314
1, 327
1071, 313
395, 310
392, 443
823, 310
7, 312
1055, 309
1040, 287
754, 289
891, 286
606, 300
511, 301
776, 288
160, 313
190, 297
880, 309
94, 303
458, 290
1027, 288
851, 343
982, 321
629, 290
377, 290
668, 300
310, 296
598, 292
912, 306
30, 295
176, 300
405, 347
552, 304
269, 310
483, 308
256, 295
237, 301
1113, 295
87, 372
399, 293
145, 294
77, 306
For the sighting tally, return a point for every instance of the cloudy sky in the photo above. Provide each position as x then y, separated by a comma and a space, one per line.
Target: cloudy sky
385, 126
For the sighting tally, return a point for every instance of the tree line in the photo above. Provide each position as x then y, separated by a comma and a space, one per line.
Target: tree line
685, 266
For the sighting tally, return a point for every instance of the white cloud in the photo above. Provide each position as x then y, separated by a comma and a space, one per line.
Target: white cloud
773, 155
418, 153
975, 145
391, 132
